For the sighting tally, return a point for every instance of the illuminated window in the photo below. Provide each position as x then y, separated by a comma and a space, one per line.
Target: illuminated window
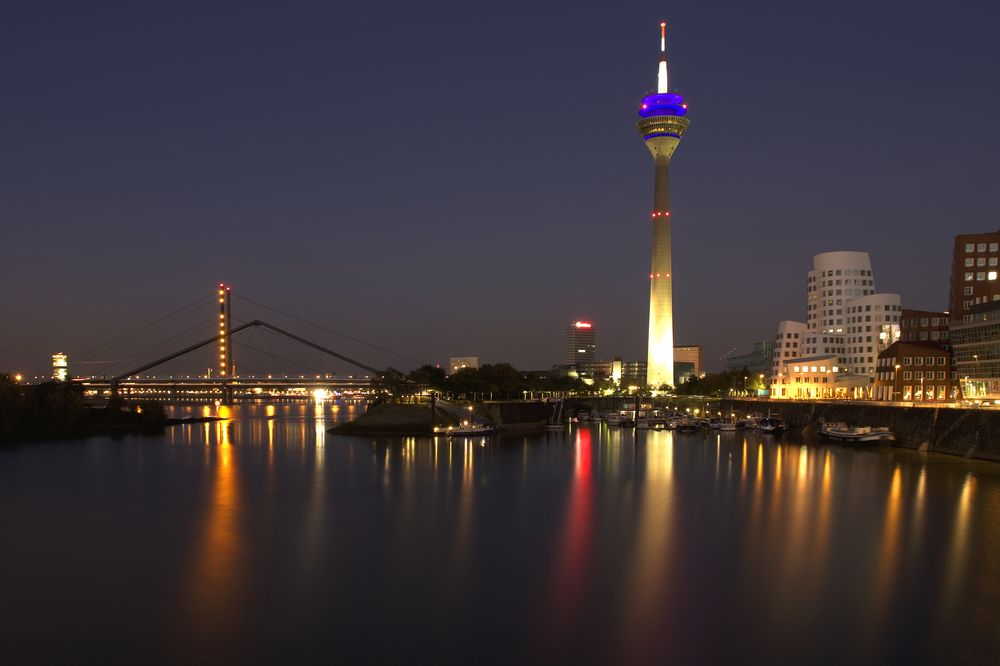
992, 275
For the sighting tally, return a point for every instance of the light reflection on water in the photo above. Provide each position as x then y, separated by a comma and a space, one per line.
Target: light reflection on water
262, 535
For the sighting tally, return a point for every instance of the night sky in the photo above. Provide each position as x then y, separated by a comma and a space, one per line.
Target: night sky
459, 178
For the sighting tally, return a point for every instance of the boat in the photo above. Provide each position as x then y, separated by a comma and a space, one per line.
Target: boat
613, 418
842, 432
464, 430
728, 426
686, 425
770, 425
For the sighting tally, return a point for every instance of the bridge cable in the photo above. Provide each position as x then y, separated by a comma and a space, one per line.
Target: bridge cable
23, 362
330, 330
183, 311
267, 343
311, 369
149, 350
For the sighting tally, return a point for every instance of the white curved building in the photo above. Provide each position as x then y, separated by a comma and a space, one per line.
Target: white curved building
836, 278
846, 319
872, 324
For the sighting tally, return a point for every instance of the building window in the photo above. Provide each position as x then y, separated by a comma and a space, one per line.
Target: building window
967, 291
907, 375
981, 261
994, 247
992, 275
980, 276
969, 261
981, 247
968, 277
969, 247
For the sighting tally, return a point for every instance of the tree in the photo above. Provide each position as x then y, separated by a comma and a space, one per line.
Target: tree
467, 380
428, 375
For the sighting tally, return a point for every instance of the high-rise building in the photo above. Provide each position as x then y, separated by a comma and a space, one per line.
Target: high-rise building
757, 362
788, 345
662, 123
847, 318
974, 270
60, 367
924, 326
975, 342
581, 343
691, 355
456, 363
872, 325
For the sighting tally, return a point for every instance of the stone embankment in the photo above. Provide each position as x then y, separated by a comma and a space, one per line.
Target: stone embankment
973, 433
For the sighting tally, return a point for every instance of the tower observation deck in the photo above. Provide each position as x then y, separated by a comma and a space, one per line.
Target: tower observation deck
662, 122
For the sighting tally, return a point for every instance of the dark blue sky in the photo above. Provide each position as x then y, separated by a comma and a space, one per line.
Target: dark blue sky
463, 178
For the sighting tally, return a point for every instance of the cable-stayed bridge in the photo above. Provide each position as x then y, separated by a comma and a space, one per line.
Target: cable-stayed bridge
227, 359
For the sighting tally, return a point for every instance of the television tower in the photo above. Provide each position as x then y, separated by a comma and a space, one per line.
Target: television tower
662, 123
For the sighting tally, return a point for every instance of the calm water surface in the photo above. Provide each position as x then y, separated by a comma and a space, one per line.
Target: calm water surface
263, 539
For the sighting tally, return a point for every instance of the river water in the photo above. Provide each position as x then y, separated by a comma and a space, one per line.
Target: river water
263, 539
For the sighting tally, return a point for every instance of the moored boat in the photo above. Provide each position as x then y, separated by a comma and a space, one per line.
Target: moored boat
842, 432
770, 425
465, 429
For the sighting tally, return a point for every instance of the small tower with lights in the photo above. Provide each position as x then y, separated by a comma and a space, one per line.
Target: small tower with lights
662, 122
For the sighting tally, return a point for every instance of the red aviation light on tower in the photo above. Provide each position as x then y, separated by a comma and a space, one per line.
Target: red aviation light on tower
583, 324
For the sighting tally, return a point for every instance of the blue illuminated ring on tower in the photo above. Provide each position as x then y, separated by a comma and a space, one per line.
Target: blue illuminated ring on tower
663, 104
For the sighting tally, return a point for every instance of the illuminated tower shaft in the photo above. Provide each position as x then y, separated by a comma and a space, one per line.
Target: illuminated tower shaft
226, 366
662, 124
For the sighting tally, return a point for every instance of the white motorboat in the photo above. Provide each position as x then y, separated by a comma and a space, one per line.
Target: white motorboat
464, 430
844, 433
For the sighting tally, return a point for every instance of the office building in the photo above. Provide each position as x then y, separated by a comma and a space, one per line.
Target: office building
690, 355
759, 361
580, 343
60, 367
924, 326
975, 343
456, 363
846, 319
917, 372
974, 271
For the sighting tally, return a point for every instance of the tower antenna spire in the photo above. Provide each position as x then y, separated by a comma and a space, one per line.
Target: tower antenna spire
661, 76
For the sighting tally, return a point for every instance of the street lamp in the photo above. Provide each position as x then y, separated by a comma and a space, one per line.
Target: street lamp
895, 380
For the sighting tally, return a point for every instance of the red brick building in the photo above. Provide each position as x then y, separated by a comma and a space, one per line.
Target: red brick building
917, 372
924, 326
974, 273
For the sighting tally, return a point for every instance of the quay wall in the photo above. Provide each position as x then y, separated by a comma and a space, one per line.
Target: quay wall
973, 433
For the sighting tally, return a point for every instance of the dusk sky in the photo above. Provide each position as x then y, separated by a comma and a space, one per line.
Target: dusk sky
459, 178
